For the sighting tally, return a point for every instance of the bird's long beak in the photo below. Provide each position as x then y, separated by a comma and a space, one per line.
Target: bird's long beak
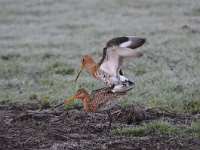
81, 68
70, 99
66, 101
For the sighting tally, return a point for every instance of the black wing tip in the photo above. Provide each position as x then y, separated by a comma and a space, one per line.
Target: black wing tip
135, 41
117, 41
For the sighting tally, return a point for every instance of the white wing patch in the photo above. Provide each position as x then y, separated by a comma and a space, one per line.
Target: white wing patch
125, 44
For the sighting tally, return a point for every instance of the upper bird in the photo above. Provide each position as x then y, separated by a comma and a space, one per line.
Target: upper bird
108, 69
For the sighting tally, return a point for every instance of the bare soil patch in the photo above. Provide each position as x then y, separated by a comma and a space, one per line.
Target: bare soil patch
28, 127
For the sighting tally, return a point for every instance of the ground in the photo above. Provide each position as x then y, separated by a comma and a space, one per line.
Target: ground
41, 43
26, 127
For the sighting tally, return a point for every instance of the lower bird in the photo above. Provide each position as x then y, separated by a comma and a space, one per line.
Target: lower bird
108, 69
99, 100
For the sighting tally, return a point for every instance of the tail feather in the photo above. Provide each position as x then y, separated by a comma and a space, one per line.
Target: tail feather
128, 89
124, 92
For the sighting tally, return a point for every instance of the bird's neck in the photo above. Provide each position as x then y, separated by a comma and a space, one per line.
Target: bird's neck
87, 105
91, 66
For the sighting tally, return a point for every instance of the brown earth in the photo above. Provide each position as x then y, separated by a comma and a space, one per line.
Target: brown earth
29, 126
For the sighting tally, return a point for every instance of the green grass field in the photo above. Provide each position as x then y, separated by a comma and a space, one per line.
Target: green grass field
41, 43
190, 130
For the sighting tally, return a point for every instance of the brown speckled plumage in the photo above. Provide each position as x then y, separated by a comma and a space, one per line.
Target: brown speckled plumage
98, 100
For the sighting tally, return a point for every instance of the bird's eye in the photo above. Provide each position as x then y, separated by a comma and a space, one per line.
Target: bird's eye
83, 60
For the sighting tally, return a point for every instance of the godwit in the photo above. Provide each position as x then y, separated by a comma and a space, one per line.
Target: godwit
108, 69
99, 100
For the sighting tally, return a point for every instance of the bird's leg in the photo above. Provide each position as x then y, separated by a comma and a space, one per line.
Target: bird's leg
110, 121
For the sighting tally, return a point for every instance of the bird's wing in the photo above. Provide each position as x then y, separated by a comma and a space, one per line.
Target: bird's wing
101, 96
117, 49
111, 62
126, 41
101, 91
114, 59
123, 41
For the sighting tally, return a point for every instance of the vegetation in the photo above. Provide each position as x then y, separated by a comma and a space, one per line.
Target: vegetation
164, 127
41, 48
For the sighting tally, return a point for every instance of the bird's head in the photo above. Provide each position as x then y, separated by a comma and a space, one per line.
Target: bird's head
80, 94
85, 60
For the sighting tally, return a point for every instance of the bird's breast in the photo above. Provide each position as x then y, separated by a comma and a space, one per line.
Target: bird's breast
104, 77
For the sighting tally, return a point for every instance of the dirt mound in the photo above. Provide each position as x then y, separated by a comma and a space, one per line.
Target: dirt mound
27, 127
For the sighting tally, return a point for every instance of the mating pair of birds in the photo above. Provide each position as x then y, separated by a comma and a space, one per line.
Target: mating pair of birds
109, 71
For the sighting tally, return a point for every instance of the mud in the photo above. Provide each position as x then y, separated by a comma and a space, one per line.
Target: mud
31, 126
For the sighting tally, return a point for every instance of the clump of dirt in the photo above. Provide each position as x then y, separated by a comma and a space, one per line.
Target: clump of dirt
30, 127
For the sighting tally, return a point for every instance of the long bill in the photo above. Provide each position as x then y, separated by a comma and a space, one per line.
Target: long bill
66, 101
81, 68
70, 99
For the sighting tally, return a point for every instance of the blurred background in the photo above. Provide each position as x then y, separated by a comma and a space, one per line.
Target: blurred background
41, 43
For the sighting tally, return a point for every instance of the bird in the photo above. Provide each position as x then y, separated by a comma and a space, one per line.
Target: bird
99, 100
108, 69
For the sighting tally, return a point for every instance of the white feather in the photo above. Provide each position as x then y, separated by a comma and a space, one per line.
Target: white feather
125, 44
119, 88
123, 78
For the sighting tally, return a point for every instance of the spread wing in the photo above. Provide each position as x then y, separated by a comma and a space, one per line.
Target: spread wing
117, 49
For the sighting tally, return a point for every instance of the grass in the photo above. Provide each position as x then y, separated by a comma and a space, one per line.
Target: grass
161, 126
191, 130
194, 129
137, 131
41, 48
58, 68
